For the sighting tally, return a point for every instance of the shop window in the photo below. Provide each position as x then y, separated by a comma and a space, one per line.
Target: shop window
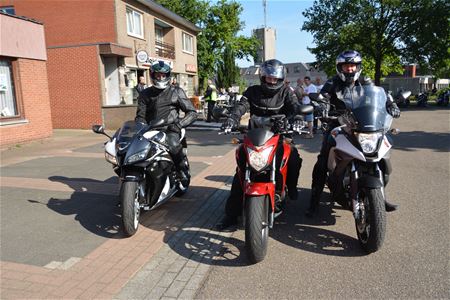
8, 10
135, 23
188, 44
8, 99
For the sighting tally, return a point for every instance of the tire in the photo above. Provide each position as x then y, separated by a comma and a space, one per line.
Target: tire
256, 227
129, 198
371, 227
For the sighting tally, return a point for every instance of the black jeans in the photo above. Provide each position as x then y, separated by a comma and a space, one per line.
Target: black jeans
211, 105
233, 207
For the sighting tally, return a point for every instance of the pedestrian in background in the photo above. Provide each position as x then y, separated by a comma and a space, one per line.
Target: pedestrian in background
141, 85
309, 88
174, 82
298, 91
210, 98
319, 85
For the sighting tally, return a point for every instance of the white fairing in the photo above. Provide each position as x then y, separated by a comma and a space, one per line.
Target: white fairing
110, 147
343, 145
165, 191
149, 134
384, 148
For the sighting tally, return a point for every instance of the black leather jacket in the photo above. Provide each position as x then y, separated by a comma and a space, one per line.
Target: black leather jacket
165, 104
262, 103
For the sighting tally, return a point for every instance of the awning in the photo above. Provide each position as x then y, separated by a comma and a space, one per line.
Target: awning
110, 49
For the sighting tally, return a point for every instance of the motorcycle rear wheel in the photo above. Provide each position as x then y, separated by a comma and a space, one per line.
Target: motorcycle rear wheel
256, 227
129, 199
371, 226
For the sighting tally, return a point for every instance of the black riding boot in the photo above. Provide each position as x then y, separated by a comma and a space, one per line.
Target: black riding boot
313, 203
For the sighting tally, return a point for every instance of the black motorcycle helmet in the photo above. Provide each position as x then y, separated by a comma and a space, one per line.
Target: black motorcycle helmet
275, 69
348, 57
163, 68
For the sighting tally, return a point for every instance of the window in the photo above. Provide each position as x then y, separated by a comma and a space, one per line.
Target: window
159, 34
134, 23
7, 93
8, 9
296, 69
188, 43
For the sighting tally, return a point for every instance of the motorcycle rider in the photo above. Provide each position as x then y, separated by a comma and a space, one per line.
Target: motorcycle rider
163, 101
271, 97
348, 68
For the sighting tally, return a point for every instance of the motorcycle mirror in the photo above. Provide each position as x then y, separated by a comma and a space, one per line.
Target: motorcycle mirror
314, 96
395, 131
100, 130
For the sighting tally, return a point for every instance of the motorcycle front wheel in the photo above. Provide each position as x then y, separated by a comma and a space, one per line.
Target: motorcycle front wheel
256, 227
129, 199
371, 225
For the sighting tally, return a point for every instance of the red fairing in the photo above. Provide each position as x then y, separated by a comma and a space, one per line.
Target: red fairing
259, 189
284, 168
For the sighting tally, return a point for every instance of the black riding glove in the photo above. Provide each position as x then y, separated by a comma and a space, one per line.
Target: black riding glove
393, 110
175, 127
230, 124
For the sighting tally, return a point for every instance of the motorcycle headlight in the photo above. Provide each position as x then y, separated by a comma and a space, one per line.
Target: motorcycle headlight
137, 156
258, 160
110, 158
369, 141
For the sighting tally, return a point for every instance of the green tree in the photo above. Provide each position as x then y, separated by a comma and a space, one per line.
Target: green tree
220, 24
227, 71
386, 32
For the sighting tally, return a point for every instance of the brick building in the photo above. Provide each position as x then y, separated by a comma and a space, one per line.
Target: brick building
24, 92
92, 49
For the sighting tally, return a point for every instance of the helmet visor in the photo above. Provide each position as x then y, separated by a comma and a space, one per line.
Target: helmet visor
273, 71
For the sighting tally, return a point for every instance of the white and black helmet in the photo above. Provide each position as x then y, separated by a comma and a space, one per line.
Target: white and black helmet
275, 69
160, 67
349, 57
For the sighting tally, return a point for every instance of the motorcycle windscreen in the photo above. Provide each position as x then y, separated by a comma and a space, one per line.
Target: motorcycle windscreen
369, 109
127, 133
259, 136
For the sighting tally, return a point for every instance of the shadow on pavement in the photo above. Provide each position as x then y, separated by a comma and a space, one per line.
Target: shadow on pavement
196, 238
294, 229
98, 213
411, 140
219, 178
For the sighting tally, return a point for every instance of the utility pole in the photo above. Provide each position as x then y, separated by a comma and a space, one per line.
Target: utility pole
265, 14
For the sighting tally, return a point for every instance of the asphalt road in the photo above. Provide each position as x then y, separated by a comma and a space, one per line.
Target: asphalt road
321, 258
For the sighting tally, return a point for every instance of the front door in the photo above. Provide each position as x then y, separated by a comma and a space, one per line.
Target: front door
111, 81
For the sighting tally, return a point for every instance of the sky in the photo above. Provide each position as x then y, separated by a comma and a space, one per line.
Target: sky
285, 16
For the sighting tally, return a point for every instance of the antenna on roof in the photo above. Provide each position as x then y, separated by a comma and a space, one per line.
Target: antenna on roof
265, 14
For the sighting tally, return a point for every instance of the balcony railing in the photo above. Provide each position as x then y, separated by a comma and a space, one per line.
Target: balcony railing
165, 50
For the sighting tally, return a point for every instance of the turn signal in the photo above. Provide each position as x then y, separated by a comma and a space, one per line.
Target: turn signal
235, 141
395, 131
287, 141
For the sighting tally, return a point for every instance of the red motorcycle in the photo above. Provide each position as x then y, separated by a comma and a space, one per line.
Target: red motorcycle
266, 147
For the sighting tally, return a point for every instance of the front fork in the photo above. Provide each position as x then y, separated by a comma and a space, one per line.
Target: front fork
271, 192
359, 210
